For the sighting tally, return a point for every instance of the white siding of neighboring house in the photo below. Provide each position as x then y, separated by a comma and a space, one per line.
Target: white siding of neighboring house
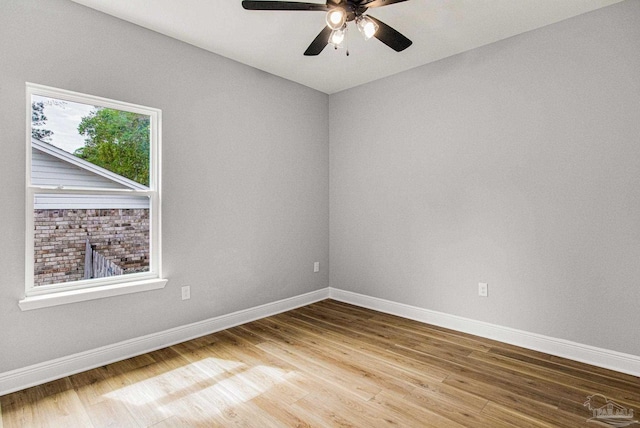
46, 170
49, 170
51, 202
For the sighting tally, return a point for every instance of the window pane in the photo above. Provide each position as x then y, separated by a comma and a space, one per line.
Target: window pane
94, 184
80, 237
88, 146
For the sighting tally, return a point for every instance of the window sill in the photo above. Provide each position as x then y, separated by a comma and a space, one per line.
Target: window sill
65, 297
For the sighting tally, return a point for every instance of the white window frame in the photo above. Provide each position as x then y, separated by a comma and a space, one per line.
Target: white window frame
77, 291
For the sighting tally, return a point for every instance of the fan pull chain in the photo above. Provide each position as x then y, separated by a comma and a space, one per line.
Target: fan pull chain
347, 44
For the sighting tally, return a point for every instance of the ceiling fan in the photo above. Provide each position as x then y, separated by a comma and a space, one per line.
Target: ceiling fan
339, 13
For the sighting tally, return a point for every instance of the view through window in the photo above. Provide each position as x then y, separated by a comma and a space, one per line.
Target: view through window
93, 190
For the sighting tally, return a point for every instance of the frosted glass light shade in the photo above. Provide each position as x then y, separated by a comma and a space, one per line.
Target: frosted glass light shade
336, 18
367, 26
336, 38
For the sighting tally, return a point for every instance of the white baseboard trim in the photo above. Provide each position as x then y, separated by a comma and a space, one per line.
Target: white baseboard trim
38, 374
625, 363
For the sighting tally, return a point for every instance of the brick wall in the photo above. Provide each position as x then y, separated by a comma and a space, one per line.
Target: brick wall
121, 235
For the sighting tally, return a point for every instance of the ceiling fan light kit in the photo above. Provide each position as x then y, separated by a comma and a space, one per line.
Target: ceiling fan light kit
366, 26
336, 39
339, 13
336, 18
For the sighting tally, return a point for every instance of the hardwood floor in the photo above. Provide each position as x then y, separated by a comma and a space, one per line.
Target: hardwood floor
327, 364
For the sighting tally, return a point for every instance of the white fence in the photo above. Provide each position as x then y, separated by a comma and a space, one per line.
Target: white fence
98, 266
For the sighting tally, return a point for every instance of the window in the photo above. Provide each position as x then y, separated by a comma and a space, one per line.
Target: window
93, 198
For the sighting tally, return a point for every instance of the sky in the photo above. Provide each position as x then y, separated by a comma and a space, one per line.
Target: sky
63, 118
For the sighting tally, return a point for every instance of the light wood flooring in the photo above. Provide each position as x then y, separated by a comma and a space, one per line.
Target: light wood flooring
327, 364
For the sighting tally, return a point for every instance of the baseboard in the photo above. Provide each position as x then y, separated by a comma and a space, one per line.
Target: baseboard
38, 374
605, 358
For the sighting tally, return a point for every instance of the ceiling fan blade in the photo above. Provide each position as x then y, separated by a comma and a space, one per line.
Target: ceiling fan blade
283, 5
390, 37
321, 39
379, 3
319, 42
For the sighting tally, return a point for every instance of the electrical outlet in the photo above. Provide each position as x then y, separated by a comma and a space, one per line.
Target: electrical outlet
483, 289
316, 266
186, 292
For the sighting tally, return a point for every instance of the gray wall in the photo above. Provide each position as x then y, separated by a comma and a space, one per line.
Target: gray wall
516, 164
245, 176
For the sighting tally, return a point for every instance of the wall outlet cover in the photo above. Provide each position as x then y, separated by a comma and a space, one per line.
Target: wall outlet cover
186, 292
483, 289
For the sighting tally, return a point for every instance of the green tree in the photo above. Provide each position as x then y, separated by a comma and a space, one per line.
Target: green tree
118, 141
38, 119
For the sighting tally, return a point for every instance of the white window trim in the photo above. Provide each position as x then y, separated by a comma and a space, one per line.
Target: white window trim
91, 293
83, 290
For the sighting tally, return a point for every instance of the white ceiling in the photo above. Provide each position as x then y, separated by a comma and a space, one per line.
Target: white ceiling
274, 41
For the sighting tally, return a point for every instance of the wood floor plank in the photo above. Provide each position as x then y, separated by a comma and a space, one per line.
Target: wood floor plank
91, 386
377, 370
185, 422
373, 347
588, 369
327, 364
380, 365
58, 405
110, 413
403, 327
512, 418
321, 369
409, 414
454, 410
567, 383
287, 415
513, 400
18, 408
503, 380
598, 374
